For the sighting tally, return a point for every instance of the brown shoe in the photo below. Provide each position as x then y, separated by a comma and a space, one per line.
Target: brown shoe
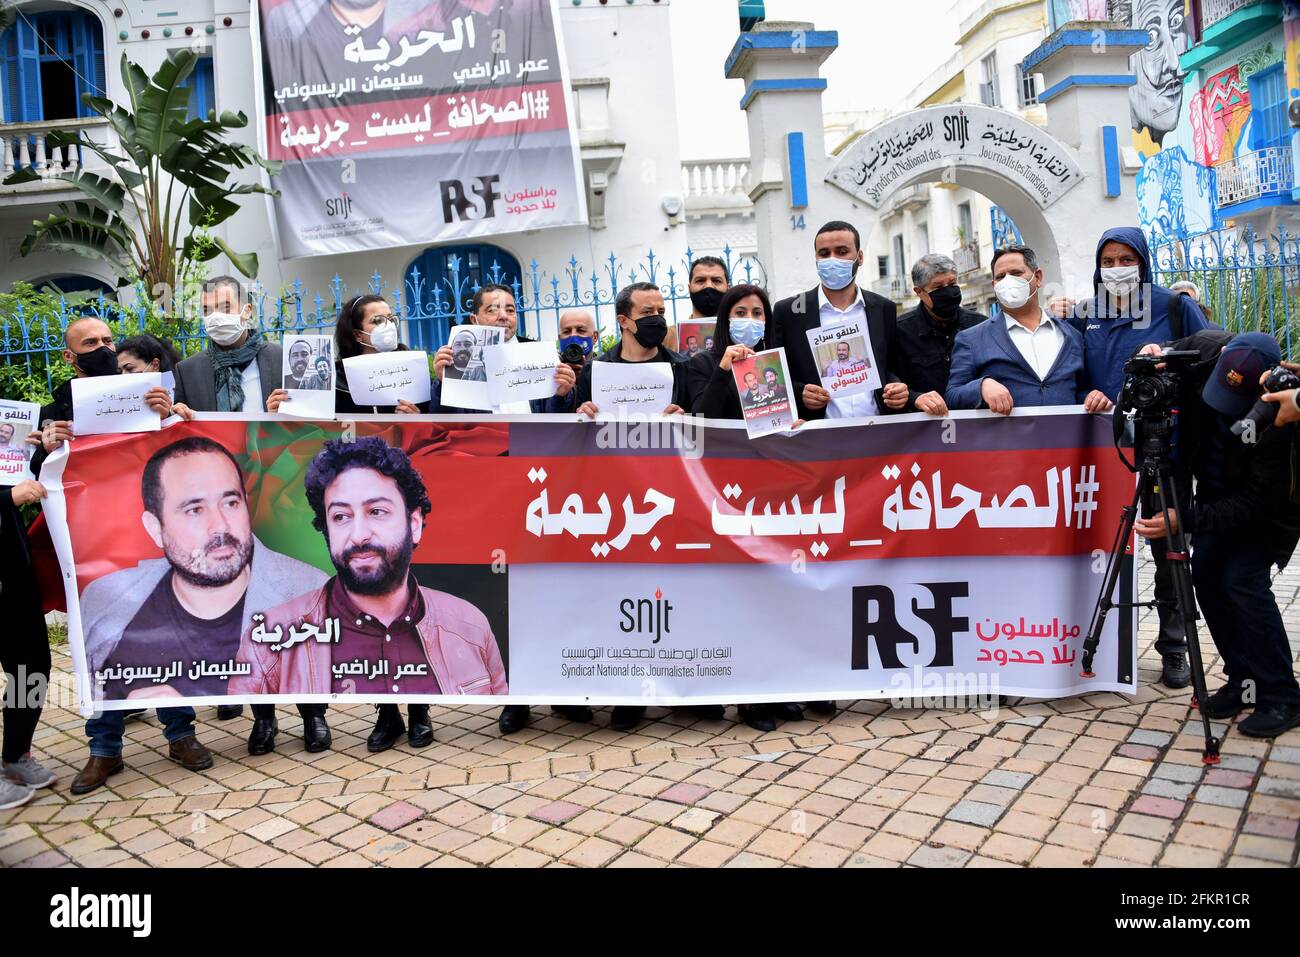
189, 754
95, 773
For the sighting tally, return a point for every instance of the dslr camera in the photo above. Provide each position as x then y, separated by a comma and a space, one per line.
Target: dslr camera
1263, 414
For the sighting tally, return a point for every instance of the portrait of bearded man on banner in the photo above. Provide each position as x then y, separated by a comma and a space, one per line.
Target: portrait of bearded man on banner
372, 628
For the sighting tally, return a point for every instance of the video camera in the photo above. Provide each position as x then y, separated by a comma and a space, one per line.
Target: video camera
1149, 400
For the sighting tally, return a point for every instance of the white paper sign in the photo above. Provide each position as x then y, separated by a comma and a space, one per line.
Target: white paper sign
631, 388
845, 360
308, 370
520, 371
17, 421
383, 378
464, 382
114, 403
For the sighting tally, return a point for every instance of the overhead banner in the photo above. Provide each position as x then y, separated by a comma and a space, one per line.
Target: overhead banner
939, 139
415, 121
537, 559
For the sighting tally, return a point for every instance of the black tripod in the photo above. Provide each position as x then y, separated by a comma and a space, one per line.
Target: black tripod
1155, 471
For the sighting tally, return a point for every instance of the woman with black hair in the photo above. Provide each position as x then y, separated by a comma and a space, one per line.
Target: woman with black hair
744, 327
366, 325
145, 353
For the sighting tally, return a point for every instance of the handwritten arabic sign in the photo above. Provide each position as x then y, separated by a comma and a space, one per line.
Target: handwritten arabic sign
632, 388
938, 139
520, 371
114, 403
922, 562
384, 378
17, 421
425, 123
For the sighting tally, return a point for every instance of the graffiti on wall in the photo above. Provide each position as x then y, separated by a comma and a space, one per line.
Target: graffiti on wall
1218, 114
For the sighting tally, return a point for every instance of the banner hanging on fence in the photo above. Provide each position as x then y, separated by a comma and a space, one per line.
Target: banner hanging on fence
535, 559
416, 121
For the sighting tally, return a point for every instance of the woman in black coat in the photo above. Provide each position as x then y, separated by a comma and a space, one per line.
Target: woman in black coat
366, 324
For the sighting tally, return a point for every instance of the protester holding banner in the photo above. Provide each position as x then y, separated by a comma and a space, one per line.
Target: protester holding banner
240, 371
24, 650
1024, 359
494, 305
144, 353
924, 336
366, 325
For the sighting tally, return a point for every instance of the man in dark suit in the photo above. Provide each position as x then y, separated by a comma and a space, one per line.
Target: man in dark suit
837, 299
238, 372
1022, 358
921, 352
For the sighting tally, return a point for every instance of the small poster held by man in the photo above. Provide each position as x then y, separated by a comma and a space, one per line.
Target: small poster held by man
17, 421
309, 377
844, 358
464, 382
520, 371
763, 381
695, 336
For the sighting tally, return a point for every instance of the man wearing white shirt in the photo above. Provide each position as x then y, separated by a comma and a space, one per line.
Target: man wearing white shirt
836, 300
1025, 358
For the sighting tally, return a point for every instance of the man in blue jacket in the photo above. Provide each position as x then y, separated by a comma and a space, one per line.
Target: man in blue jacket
1023, 357
1128, 311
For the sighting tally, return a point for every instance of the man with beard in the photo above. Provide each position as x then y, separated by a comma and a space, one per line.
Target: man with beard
463, 364
843, 362
370, 504
191, 606
299, 358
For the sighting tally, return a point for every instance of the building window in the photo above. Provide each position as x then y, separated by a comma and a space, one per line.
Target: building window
1268, 101
922, 239
882, 266
48, 60
900, 261
965, 224
1028, 89
202, 90
989, 81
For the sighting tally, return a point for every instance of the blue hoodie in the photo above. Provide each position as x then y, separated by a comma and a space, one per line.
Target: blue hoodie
1111, 335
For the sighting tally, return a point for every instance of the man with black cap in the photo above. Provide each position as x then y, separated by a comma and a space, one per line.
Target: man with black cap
1242, 521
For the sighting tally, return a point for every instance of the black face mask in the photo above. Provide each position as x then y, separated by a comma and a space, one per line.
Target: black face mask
945, 302
707, 300
101, 361
650, 331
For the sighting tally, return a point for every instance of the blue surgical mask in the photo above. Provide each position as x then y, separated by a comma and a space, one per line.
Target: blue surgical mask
745, 332
585, 343
836, 273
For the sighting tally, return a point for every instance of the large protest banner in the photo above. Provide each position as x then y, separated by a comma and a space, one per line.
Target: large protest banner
415, 121
537, 559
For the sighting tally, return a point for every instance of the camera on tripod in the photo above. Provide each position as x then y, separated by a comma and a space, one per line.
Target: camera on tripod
1149, 399
1263, 414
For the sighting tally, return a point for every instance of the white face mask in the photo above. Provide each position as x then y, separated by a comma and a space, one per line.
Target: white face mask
1012, 291
1121, 280
224, 328
384, 337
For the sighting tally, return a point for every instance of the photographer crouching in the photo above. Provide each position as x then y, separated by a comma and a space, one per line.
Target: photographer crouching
1243, 519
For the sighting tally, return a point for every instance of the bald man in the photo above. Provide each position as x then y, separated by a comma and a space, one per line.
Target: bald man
578, 328
89, 348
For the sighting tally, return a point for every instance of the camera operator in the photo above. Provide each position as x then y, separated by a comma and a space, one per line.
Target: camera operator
1242, 521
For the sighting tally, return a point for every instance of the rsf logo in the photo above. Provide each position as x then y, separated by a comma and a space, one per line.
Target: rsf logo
646, 616
891, 620
476, 202
340, 205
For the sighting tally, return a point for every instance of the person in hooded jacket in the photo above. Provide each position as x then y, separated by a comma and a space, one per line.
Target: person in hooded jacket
1129, 310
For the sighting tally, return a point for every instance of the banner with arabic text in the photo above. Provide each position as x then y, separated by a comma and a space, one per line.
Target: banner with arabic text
537, 559
415, 121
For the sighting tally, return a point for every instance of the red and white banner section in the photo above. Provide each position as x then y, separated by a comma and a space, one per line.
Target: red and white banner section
534, 559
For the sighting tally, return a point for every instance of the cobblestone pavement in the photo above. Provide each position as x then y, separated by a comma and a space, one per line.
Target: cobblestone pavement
1098, 780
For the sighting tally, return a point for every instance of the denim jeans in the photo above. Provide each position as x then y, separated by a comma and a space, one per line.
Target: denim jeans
105, 731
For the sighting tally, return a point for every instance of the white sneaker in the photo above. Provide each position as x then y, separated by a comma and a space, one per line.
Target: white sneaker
13, 794
27, 771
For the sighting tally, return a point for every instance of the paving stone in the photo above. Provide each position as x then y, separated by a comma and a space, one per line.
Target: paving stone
1163, 787
557, 812
1155, 739
1285, 754
1223, 797
396, 815
1282, 787
1158, 806
1007, 779
927, 856
683, 793
1186, 773
975, 812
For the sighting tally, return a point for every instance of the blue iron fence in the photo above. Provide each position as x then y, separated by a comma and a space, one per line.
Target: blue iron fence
427, 310
1248, 282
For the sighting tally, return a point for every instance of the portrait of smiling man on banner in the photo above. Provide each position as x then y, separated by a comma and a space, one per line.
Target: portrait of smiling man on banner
372, 628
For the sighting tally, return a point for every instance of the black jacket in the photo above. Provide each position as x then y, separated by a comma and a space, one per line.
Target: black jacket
712, 392
343, 404
920, 355
793, 317
20, 594
59, 409
1260, 505
582, 391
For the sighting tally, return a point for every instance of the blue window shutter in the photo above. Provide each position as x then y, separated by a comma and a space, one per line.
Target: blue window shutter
87, 47
202, 91
22, 68
1268, 105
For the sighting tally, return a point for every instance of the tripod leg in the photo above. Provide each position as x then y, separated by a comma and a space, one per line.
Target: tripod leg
1111, 578
1180, 564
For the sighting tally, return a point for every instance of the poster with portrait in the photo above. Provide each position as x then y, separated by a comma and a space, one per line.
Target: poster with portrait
695, 336
415, 121
465, 380
308, 371
845, 361
17, 421
763, 382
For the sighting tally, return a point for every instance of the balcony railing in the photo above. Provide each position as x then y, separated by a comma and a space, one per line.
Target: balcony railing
1212, 11
1266, 172
711, 184
896, 288
967, 257
25, 146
